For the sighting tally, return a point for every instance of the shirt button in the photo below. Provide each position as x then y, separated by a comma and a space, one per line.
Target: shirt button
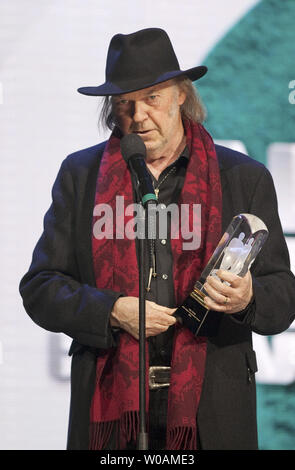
165, 276
163, 241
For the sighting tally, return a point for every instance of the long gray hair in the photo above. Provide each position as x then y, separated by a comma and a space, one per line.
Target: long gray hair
192, 108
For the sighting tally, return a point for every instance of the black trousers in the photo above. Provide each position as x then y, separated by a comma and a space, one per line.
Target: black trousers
157, 418
156, 422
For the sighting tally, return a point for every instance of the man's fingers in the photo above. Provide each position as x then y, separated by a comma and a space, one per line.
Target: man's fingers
214, 284
219, 297
125, 315
228, 298
158, 318
152, 306
227, 276
212, 305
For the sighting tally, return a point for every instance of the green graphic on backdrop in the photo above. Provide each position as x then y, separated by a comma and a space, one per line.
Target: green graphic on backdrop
246, 92
246, 89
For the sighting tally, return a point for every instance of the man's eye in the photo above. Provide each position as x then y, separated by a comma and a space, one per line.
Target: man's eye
123, 101
153, 99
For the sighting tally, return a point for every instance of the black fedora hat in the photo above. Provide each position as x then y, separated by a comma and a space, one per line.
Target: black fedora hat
140, 60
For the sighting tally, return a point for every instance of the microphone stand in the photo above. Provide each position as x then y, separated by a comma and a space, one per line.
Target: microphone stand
142, 443
148, 225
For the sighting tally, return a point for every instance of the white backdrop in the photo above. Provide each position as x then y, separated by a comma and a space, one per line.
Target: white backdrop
47, 50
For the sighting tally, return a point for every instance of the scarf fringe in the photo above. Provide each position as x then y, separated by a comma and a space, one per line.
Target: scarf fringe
99, 434
129, 427
181, 438
126, 430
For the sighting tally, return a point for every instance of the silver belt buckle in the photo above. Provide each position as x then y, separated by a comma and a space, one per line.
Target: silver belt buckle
152, 377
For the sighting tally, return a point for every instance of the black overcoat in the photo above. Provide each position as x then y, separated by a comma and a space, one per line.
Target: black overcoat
59, 294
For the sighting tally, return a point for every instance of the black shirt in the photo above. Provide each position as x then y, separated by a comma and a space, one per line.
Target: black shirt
170, 184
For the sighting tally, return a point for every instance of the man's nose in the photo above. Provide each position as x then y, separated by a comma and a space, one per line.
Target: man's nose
139, 111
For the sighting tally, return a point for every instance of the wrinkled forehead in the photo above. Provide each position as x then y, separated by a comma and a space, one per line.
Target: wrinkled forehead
164, 88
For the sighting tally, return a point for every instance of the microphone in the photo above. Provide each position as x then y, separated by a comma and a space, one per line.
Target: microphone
134, 152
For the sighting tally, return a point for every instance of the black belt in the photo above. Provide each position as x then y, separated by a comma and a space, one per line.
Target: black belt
159, 377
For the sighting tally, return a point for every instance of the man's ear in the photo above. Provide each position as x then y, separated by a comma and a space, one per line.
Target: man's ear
181, 96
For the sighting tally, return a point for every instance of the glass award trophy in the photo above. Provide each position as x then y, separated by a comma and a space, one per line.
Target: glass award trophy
235, 252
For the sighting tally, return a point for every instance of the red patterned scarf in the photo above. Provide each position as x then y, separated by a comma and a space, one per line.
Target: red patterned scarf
115, 404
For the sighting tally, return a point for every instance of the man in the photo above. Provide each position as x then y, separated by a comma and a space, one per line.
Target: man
202, 392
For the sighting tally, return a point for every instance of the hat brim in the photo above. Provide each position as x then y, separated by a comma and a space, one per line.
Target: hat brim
109, 88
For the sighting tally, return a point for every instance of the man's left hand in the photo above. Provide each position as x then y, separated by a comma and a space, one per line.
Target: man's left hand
228, 298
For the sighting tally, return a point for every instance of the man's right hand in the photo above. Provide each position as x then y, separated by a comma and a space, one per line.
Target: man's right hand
125, 315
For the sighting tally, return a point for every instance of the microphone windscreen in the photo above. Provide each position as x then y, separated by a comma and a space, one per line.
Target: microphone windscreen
132, 144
